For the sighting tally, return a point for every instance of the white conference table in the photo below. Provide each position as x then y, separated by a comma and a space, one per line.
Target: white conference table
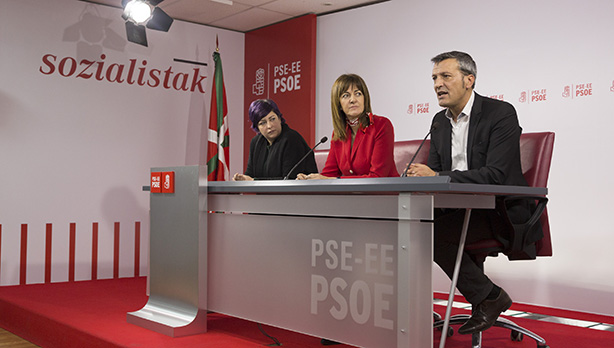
348, 260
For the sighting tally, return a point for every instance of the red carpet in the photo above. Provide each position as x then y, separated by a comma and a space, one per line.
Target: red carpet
93, 314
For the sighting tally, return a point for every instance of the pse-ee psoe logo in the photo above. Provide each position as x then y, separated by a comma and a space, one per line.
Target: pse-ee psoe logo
420, 108
162, 182
578, 90
286, 78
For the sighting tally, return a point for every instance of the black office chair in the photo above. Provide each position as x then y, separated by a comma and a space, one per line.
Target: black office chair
536, 155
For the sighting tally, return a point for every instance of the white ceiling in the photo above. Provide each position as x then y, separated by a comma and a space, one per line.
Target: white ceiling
246, 15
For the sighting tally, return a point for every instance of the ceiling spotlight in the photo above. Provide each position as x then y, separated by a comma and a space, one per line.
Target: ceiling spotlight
139, 12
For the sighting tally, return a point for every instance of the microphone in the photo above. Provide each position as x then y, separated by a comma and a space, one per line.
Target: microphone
322, 141
433, 127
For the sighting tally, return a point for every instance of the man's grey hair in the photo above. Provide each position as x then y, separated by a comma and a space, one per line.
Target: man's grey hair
466, 64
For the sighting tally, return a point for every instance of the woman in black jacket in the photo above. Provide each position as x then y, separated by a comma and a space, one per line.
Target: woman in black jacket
277, 147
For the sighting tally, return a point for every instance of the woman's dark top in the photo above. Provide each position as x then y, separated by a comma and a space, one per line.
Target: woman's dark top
275, 161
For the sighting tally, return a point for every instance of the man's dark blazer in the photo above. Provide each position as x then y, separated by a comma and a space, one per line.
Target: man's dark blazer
493, 150
493, 145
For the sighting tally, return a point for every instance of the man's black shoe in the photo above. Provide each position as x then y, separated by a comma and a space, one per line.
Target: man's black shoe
486, 313
326, 342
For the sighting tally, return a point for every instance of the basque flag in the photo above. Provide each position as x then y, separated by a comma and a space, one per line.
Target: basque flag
218, 150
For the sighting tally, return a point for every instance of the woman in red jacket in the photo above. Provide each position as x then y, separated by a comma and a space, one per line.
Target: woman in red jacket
362, 145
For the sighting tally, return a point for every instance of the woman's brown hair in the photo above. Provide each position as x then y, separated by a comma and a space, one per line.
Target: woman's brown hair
340, 86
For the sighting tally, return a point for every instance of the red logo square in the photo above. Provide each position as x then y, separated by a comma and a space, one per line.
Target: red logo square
156, 181
168, 182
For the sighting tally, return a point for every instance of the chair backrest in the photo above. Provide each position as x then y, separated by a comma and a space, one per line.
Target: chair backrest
403, 152
320, 156
536, 156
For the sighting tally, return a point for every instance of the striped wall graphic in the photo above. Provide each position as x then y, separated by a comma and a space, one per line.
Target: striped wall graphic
48, 229
94, 250
25, 233
23, 255
137, 248
0, 248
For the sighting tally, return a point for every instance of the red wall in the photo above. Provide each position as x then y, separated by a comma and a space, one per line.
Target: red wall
280, 64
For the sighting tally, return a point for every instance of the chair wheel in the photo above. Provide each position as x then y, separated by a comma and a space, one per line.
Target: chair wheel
516, 336
450, 331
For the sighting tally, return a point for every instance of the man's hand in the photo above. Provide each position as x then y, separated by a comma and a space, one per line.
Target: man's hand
418, 169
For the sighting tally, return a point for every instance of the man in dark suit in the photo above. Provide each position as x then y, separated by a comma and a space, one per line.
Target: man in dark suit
476, 140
